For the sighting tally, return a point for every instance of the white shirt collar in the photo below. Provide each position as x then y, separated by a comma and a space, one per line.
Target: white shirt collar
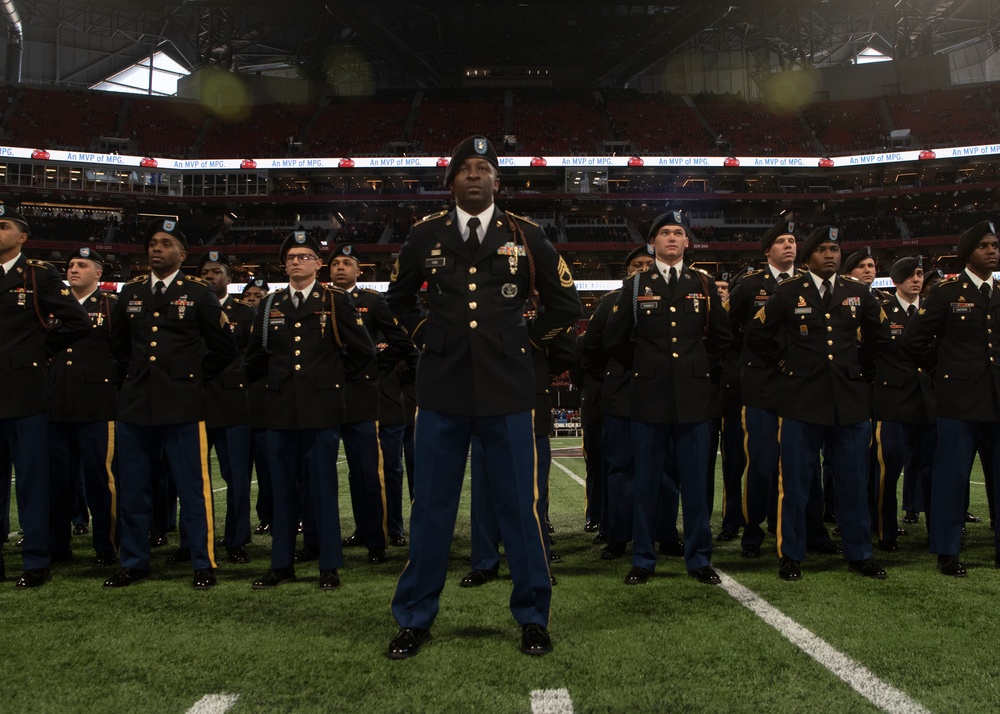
818, 281
464, 216
306, 291
167, 281
977, 281
9, 265
665, 269
86, 297
906, 305
775, 272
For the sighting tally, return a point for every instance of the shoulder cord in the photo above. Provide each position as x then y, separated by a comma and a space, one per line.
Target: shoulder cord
106, 304
333, 320
35, 299
267, 322
635, 301
519, 235
708, 301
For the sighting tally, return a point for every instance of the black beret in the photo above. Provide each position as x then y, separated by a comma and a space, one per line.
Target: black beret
722, 276
473, 146
86, 253
298, 238
640, 250
970, 239
823, 234
904, 268
12, 214
345, 249
779, 229
213, 256
854, 259
257, 283
932, 276
164, 225
670, 218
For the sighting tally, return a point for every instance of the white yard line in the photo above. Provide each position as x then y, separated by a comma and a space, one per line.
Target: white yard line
551, 701
214, 704
570, 474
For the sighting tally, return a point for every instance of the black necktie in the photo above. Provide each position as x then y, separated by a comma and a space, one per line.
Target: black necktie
473, 239
299, 298
985, 290
2, 272
672, 281
158, 288
828, 295
782, 277
911, 311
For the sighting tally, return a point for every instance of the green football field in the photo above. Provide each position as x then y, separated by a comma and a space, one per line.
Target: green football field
915, 642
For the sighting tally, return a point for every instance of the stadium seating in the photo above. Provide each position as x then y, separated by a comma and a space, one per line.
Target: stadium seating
438, 123
659, 126
848, 127
62, 119
270, 130
356, 128
752, 129
954, 117
164, 127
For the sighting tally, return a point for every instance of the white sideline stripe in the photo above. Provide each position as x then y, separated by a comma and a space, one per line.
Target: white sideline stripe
551, 701
978, 483
582, 483
862, 680
214, 704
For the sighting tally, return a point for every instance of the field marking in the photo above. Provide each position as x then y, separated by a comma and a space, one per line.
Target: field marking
214, 704
575, 478
860, 678
551, 701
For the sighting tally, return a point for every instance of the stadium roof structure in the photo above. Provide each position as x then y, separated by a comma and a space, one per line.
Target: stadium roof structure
430, 44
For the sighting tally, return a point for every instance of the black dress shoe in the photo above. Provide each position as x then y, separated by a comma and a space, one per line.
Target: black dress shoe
825, 548
274, 578
613, 550
951, 566
911, 517
398, 540
475, 578
238, 554
727, 534
263, 528
376, 556
902, 532
837, 531
329, 579
867, 567
552, 528
554, 557
750, 551
407, 642
125, 577
306, 553
706, 575
105, 557
181, 555
969, 518
789, 569
638, 576
996, 562
220, 543
672, 547
889, 546
157, 540
34, 578
204, 579
80, 530
600, 538
552, 579
351, 541
591, 527
535, 640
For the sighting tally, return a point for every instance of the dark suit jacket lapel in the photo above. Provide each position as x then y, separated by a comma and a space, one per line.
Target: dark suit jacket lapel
656, 282
14, 279
496, 235
687, 283
449, 235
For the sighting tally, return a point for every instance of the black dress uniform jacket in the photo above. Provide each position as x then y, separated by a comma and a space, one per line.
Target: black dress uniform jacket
309, 354
673, 342
226, 395
362, 396
824, 372
172, 344
613, 380
904, 393
83, 378
954, 335
476, 343
38, 317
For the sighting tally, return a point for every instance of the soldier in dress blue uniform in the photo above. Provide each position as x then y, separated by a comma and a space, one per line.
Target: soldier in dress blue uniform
227, 411
253, 293
670, 329
904, 428
83, 396
475, 375
810, 326
32, 296
170, 330
308, 341
730, 433
951, 336
359, 433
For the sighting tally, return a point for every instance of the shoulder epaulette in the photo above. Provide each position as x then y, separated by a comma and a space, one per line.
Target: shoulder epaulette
784, 285
334, 289
946, 281
431, 217
369, 290
34, 263
853, 280
200, 281
640, 271
109, 295
521, 218
751, 271
244, 303
610, 293
703, 272
139, 279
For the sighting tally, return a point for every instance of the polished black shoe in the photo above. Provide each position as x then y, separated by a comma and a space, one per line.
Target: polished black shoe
554, 557
157, 540
789, 569
727, 534
969, 518
329, 579
706, 575
125, 577
996, 562
220, 543
600, 538
638, 576
672, 547
475, 578
408, 642
867, 567
181, 555
376, 556
902, 532
613, 550
306, 553
911, 517
889, 546
398, 540
535, 640
351, 541
105, 557
238, 555
591, 527
274, 578
263, 528
61, 556
80, 530
951, 566
34, 578
837, 532
825, 548
552, 528
204, 579
750, 551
